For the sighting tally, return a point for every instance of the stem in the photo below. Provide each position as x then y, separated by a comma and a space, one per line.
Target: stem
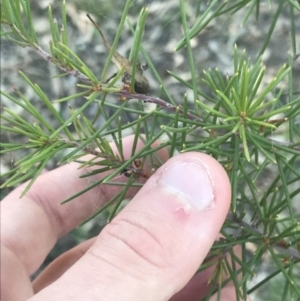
159, 102
46, 56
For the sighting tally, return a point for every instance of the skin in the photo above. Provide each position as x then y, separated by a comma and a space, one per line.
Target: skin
150, 251
141, 85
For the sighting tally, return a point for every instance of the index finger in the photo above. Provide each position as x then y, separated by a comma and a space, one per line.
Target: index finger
31, 225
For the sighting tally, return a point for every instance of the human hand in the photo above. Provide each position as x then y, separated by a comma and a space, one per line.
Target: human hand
150, 251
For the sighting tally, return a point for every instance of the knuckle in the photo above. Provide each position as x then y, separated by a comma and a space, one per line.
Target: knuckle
137, 242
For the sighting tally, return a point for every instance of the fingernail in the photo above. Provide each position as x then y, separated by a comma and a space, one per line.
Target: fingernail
190, 182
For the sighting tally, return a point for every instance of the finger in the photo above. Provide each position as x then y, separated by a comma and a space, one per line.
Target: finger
60, 265
31, 226
195, 289
155, 245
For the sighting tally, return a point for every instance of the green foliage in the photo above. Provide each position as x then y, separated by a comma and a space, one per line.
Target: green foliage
234, 122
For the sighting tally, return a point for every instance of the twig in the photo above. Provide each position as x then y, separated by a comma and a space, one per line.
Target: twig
86, 149
289, 251
77, 74
46, 56
287, 144
159, 102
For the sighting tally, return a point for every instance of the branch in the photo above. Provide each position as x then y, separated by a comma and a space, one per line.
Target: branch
87, 149
77, 74
159, 102
46, 56
289, 251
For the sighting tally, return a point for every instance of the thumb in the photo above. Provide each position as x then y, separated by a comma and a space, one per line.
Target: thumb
156, 244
